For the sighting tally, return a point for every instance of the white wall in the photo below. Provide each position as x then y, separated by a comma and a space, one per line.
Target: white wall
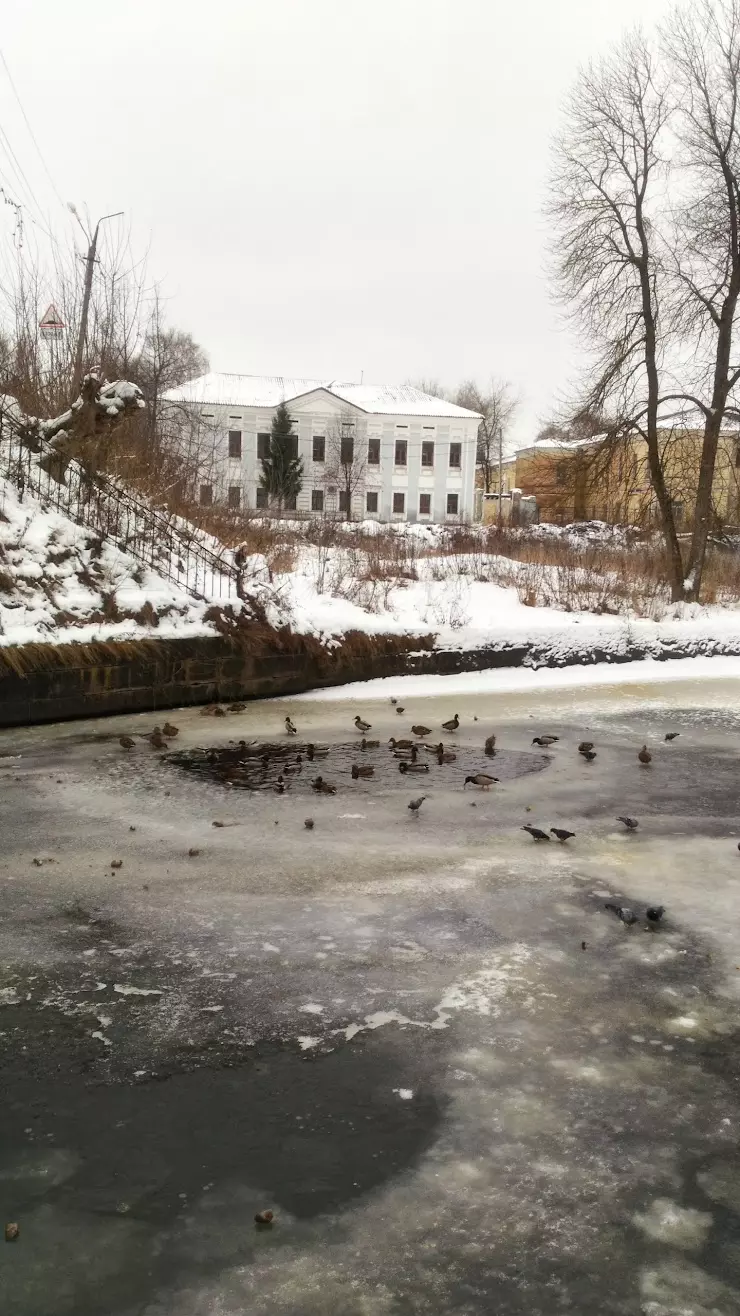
320, 413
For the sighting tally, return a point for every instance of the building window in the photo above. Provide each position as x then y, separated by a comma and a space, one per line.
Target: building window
425, 504
319, 449
263, 447
294, 445
261, 498
456, 455
290, 504
399, 502
235, 443
401, 450
343, 500
317, 498
371, 502
452, 504
561, 472
206, 495
235, 495
347, 450
373, 452
427, 454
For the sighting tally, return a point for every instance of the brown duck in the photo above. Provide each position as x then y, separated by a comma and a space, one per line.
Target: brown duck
362, 770
644, 755
323, 787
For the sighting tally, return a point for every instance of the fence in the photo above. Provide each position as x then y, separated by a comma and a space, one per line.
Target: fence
109, 509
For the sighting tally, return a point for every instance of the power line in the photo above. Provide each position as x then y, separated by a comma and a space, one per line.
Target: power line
30, 129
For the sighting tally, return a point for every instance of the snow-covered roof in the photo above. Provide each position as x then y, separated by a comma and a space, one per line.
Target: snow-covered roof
223, 390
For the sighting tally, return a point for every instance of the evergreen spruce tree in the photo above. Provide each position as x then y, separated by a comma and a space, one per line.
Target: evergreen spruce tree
282, 471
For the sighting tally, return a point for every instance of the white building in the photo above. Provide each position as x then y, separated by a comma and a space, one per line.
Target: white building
396, 453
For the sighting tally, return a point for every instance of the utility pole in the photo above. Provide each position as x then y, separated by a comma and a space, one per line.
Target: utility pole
90, 263
500, 475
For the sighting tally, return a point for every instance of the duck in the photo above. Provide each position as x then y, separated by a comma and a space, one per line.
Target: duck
672, 735
170, 730
323, 787
290, 727
630, 823
536, 833
589, 755
362, 770
400, 710
421, 731
654, 913
126, 742
394, 701
316, 752
490, 746
545, 741
219, 711
644, 755
482, 779
308, 823
413, 767
400, 744
236, 708
208, 710
279, 786
585, 746
444, 756
453, 723
415, 805
362, 726
562, 834
410, 755
369, 744
156, 739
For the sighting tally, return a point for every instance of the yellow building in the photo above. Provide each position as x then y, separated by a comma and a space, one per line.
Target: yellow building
608, 480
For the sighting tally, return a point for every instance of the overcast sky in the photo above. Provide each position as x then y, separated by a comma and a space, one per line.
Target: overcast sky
327, 186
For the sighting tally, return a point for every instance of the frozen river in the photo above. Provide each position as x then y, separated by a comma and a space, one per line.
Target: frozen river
460, 1083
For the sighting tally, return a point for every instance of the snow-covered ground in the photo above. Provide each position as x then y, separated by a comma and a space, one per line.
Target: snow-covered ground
61, 582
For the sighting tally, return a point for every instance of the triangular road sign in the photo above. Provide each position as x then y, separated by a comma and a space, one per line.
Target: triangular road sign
51, 318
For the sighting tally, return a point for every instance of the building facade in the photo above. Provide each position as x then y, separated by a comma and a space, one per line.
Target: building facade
390, 453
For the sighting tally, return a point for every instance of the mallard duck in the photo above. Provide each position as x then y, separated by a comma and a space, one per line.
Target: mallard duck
453, 723
264, 1218
630, 823
410, 755
400, 744
316, 752
585, 746
323, 787
444, 756
415, 805
393, 701
644, 755
290, 727
562, 835
219, 711
672, 735
369, 744
126, 742
490, 746
362, 770
236, 708
421, 731
170, 731
208, 710
279, 786
413, 767
589, 755
400, 710
362, 726
536, 833
654, 913
156, 739
481, 779
308, 823
545, 741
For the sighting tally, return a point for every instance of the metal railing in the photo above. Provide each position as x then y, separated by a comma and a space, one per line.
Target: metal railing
109, 509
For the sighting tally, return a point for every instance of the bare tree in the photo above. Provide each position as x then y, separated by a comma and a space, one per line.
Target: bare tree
610, 167
497, 405
346, 459
428, 384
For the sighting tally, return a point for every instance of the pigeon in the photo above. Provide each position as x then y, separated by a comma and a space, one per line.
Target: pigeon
490, 746
631, 823
589, 755
362, 726
644, 755
421, 731
364, 770
654, 913
415, 805
585, 746
545, 741
290, 727
562, 834
308, 824
170, 731
536, 833
627, 916
672, 735
453, 723
482, 779
126, 742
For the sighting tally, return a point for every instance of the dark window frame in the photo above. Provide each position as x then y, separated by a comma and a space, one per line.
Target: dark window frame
428, 510
427, 450
399, 511
346, 449
206, 501
371, 493
402, 446
455, 456
319, 446
263, 447
235, 442
234, 496
373, 446
262, 499
317, 500
456, 510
